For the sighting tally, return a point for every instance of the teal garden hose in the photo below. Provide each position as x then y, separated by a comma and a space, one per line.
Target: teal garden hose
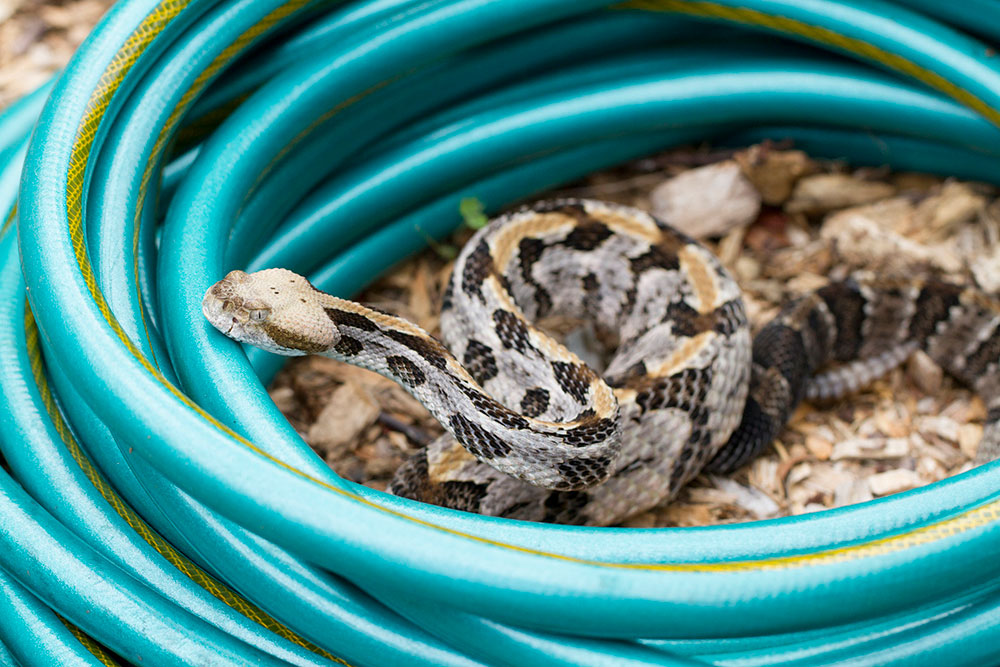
156, 504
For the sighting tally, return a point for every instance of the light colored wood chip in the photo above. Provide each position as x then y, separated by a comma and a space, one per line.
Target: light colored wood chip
863, 244
893, 481
930, 470
686, 515
809, 508
985, 268
892, 422
421, 307
870, 448
943, 427
644, 520
940, 214
798, 473
754, 501
731, 247
819, 447
851, 492
821, 193
969, 436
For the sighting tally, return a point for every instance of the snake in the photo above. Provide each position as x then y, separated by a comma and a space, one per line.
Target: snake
534, 433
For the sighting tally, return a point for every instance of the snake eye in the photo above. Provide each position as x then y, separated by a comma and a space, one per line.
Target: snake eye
259, 314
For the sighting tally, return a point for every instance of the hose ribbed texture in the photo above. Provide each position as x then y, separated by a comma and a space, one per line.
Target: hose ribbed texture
156, 508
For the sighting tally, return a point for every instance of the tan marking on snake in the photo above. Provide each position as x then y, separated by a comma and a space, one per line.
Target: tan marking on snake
678, 360
505, 242
702, 279
632, 227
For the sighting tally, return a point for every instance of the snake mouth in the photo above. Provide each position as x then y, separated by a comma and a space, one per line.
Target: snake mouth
214, 310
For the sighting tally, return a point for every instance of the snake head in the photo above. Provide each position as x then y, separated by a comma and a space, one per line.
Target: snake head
273, 309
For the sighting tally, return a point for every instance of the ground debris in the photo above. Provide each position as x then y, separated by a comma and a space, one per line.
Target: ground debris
861, 242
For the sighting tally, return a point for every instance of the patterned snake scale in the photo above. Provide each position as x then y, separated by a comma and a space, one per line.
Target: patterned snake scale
535, 434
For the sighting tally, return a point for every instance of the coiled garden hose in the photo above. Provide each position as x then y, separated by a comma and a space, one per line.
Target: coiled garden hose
156, 508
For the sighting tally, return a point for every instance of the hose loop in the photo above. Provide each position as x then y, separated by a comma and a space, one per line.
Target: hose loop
157, 504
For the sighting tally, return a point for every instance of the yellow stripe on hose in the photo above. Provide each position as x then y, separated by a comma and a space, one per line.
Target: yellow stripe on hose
169, 9
177, 559
9, 220
824, 36
190, 94
98, 104
89, 644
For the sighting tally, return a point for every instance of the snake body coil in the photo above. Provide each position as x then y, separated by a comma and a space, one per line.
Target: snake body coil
548, 439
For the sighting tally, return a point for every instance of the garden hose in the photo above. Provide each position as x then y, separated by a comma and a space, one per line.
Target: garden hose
158, 509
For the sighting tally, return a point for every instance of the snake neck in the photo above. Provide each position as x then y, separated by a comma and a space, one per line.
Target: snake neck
562, 456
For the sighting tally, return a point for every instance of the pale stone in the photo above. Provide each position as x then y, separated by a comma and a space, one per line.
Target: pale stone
343, 419
707, 201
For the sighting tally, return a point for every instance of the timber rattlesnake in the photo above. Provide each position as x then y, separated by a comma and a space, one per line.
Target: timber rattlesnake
548, 439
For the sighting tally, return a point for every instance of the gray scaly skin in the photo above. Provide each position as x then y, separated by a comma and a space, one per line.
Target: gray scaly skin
535, 434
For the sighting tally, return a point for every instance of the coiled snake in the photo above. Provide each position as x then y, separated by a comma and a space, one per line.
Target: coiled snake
548, 439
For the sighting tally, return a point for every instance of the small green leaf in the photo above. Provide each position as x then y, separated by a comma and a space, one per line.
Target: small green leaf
473, 212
